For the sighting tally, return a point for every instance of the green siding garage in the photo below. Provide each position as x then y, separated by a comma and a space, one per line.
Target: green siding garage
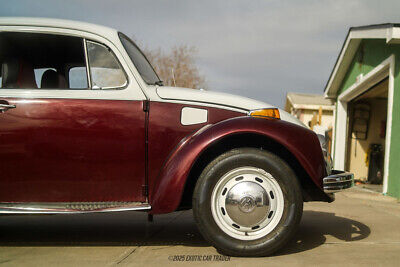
365, 84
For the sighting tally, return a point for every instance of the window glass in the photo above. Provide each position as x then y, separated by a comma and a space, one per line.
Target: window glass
78, 78
139, 60
38, 60
39, 74
105, 71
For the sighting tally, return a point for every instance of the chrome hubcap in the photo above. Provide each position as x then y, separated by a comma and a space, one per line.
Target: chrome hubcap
247, 203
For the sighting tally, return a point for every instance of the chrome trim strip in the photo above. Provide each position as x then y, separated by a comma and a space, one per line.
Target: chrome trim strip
338, 181
71, 207
89, 76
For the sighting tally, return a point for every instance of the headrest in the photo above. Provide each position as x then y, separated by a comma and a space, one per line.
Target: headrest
49, 79
17, 73
9, 73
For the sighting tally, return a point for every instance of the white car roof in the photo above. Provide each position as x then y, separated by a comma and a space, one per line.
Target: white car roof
59, 23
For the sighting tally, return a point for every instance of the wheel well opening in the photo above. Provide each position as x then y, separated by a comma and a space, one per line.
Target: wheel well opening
310, 191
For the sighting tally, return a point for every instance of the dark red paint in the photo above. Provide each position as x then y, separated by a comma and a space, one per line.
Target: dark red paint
166, 131
303, 143
69, 150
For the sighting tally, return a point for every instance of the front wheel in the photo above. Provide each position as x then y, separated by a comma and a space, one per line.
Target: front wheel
247, 202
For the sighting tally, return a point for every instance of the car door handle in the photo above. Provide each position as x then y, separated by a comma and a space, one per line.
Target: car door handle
5, 107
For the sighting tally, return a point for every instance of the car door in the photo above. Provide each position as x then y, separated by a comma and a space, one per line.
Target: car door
72, 125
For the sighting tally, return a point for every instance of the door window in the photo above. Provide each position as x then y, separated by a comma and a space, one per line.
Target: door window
140, 61
105, 70
51, 61
39, 74
78, 78
39, 61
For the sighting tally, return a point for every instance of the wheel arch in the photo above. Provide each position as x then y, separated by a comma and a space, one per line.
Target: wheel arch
297, 145
309, 190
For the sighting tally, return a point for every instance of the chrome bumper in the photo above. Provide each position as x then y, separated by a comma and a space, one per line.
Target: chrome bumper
338, 181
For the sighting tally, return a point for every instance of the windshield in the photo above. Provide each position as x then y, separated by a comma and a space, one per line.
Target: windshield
140, 61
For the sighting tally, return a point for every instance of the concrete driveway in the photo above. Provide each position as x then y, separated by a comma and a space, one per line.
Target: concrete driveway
359, 228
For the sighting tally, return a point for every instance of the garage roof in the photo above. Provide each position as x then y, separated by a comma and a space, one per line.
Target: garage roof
309, 101
388, 31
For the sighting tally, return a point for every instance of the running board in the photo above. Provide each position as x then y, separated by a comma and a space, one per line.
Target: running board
71, 207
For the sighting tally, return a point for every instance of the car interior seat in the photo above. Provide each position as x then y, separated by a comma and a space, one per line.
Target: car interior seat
52, 79
17, 73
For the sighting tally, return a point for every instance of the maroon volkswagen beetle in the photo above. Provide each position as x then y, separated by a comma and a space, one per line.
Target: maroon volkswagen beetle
87, 126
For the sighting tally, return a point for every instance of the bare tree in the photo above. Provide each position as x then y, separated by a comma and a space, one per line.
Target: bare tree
177, 67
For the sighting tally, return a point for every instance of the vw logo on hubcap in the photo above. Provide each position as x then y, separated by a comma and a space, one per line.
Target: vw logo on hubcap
247, 204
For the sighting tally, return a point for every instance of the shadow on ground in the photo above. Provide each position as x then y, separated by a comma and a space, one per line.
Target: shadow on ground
132, 229
315, 226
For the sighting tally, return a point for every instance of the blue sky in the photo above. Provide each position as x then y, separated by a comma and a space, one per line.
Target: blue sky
259, 49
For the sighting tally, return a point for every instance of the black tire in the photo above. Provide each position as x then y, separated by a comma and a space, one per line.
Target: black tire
292, 196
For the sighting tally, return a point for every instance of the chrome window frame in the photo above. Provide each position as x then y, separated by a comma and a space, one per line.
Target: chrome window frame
89, 80
121, 87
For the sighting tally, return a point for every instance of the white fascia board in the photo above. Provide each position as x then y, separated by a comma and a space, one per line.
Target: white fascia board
350, 47
313, 107
393, 35
369, 34
368, 80
289, 99
341, 67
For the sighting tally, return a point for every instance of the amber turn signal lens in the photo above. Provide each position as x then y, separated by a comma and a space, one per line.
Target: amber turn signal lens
268, 113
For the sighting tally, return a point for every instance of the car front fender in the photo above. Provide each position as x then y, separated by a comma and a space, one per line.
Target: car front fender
166, 193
